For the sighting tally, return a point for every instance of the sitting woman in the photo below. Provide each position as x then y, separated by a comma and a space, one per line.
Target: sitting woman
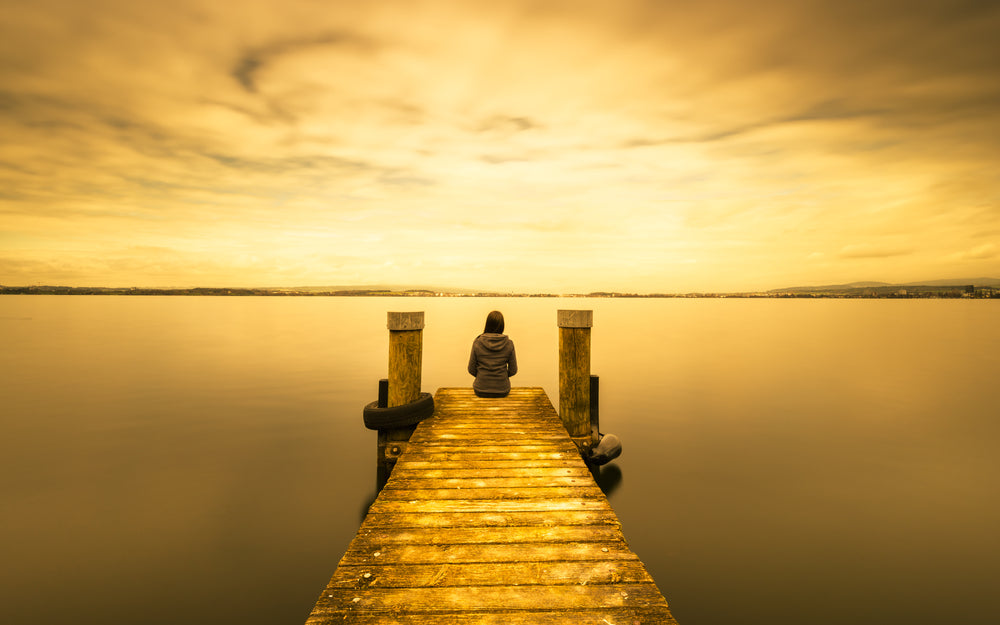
492, 360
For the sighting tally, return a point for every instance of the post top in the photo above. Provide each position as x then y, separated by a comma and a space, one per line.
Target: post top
575, 318
405, 320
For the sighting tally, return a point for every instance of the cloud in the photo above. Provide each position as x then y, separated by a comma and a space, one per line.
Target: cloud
252, 61
855, 251
981, 252
506, 124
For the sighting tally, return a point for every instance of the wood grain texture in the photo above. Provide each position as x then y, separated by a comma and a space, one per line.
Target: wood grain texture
490, 516
574, 380
490, 574
405, 366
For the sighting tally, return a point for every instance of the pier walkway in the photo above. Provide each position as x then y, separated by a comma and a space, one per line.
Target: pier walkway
490, 516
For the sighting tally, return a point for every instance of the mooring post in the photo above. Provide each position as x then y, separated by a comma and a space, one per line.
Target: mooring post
383, 393
405, 360
595, 409
574, 374
406, 330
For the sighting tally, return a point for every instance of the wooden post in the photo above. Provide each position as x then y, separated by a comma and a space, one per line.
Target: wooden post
383, 393
406, 331
405, 360
574, 374
595, 407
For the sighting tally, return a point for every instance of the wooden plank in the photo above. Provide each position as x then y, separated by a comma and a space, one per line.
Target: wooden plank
577, 471
503, 450
491, 426
493, 598
552, 463
424, 455
488, 437
474, 481
508, 534
385, 506
492, 519
487, 574
371, 553
599, 616
531, 492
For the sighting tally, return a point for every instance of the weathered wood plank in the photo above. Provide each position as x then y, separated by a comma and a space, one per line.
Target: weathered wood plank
493, 598
421, 482
598, 616
422, 455
518, 428
577, 471
366, 552
565, 463
486, 574
531, 492
506, 534
503, 450
384, 506
492, 519
490, 436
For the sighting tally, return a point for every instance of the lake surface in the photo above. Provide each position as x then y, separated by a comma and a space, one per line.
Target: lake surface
203, 459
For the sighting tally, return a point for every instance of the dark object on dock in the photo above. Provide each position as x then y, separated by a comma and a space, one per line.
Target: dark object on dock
609, 448
385, 418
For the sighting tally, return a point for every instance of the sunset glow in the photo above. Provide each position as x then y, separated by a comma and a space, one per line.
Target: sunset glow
635, 145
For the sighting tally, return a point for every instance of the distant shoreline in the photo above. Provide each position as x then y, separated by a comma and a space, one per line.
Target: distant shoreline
871, 292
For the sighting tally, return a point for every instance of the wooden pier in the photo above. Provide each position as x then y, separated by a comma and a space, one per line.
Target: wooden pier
490, 516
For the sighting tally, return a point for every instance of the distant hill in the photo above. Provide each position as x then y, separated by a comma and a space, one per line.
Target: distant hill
954, 282
832, 287
957, 282
395, 288
348, 290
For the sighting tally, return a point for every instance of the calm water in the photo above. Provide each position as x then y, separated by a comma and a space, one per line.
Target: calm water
202, 460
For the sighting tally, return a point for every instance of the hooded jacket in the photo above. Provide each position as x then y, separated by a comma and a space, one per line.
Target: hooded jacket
492, 362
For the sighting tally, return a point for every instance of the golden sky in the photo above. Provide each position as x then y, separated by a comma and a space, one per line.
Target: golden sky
569, 146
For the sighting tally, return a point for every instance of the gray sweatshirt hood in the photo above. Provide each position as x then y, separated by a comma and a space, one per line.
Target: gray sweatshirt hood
493, 342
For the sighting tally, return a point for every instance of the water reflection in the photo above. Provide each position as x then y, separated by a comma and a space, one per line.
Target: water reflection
366, 505
608, 478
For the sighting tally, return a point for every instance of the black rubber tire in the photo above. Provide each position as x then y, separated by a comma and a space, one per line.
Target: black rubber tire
399, 416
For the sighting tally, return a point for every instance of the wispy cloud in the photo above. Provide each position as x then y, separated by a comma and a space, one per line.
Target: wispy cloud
987, 251
254, 60
871, 251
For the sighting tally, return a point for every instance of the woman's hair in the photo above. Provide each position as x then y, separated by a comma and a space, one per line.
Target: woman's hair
494, 323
